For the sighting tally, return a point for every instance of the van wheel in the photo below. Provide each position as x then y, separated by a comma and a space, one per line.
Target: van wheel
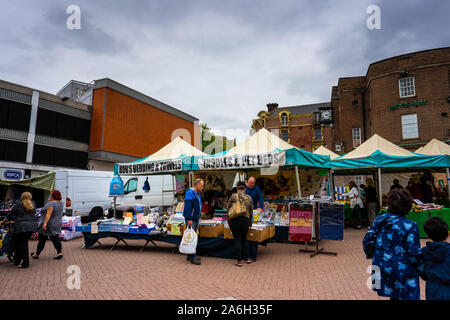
96, 213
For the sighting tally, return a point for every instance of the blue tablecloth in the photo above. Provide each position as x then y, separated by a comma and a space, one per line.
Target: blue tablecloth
214, 247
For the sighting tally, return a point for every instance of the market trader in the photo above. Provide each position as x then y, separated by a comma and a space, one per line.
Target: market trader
255, 193
192, 211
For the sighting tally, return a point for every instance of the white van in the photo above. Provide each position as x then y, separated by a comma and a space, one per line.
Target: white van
161, 191
83, 190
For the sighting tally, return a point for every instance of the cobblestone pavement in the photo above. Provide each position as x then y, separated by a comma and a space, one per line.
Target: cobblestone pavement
280, 272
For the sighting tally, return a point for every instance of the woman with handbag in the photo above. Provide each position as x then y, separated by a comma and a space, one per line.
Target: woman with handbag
240, 216
23, 213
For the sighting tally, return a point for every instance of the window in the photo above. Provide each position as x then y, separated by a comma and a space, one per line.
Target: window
317, 133
406, 87
409, 126
285, 135
130, 186
356, 137
284, 120
263, 122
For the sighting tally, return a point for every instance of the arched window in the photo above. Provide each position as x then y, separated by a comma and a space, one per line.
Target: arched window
284, 119
263, 122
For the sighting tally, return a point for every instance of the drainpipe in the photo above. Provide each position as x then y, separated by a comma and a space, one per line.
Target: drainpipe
363, 93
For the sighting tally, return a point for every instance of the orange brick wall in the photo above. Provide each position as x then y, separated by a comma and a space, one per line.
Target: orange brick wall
132, 127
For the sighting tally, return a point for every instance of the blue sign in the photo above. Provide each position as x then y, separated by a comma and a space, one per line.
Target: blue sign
116, 187
12, 175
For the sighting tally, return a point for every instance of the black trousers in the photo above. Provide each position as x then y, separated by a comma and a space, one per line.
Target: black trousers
21, 248
43, 238
239, 228
356, 213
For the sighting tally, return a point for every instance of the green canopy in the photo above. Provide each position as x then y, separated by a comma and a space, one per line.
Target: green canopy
45, 182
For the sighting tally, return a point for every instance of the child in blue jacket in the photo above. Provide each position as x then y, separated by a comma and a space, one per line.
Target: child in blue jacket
435, 269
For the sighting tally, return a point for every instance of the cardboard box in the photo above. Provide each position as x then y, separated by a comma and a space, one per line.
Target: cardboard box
211, 231
252, 235
271, 232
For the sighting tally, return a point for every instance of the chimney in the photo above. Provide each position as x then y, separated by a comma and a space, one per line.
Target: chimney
272, 106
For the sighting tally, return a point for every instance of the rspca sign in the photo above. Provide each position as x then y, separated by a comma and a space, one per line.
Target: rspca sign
11, 174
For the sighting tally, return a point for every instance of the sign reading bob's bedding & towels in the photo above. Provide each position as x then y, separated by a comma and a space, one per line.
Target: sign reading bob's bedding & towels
271, 159
151, 167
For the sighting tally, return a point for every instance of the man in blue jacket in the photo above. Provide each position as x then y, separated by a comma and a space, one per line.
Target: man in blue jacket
435, 269
192, 211
255, 193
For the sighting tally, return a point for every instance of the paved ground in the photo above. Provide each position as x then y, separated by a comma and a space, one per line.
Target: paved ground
125, 273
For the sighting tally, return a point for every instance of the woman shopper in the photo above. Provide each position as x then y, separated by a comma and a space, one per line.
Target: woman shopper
50, 225
393, 244
240, 223
372, 202
355, 204
23, 214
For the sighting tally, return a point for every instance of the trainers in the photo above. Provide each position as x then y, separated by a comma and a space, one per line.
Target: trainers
195, 260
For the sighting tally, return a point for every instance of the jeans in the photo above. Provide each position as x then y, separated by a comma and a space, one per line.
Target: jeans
356, 214
194, 227
43, 238
239, 228
21, 248
371, 210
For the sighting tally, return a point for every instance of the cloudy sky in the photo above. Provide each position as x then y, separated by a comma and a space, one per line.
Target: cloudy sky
221, 61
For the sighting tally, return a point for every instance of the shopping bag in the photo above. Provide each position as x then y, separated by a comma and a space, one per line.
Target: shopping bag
188, 243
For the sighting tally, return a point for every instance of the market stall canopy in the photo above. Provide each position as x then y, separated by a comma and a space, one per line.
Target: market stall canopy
174, 157
326, 152
261, 150
380, 153
374, 144
434, 148
44, 182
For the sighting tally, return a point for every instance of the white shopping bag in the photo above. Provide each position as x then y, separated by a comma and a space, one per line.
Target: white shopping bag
188, 243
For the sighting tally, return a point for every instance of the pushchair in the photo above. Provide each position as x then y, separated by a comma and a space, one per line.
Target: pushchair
7, 238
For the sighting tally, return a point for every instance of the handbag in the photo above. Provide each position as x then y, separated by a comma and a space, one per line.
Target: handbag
237, 209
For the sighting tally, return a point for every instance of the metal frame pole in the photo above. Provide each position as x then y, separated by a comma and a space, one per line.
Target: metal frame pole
448, 182
380, 194
299, 190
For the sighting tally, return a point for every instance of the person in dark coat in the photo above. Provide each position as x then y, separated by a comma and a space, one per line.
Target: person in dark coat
427, 192
435, 269
23, 214
393, 244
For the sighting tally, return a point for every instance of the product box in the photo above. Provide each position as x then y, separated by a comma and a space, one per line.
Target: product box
128, 214
271, 232
252, 235
211, 231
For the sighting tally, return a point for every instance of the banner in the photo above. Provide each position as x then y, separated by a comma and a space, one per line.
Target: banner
271, 159
151, 167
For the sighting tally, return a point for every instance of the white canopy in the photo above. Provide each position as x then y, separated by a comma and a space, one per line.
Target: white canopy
261, 142
175, 149
434, 147
377, 143
326, 152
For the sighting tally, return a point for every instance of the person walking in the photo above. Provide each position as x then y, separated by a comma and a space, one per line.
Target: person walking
240, 224
192, 211
255, 193
23, 214
50, 225
372, 201
355, 204
393, 244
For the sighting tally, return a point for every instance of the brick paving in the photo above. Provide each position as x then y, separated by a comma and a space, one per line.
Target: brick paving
280, 272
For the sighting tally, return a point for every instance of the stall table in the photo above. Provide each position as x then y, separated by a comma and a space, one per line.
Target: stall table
215, 247
420, 217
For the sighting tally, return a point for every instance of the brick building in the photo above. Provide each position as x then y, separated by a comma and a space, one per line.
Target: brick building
405, 99
298, 125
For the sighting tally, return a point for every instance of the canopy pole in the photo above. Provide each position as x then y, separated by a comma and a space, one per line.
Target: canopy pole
299, 190
448, 182
380, 194
331, 183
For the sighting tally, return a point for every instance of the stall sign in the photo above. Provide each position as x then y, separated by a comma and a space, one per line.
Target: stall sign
151, 167
11, 174
263, 160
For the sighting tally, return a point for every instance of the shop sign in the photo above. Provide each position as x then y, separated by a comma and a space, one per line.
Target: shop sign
151, 167
263, 160
11, 174
407, 104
